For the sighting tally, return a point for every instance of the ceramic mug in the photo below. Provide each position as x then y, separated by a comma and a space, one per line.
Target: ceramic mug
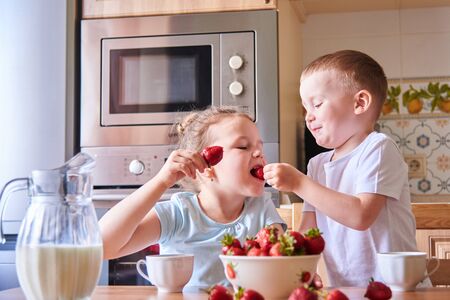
168, 272
402, 271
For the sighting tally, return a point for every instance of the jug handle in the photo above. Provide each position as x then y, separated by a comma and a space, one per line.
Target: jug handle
17, 184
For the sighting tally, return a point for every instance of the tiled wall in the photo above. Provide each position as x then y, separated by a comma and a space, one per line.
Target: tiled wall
413, 46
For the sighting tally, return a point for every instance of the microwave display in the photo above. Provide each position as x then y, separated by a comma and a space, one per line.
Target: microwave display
154, 80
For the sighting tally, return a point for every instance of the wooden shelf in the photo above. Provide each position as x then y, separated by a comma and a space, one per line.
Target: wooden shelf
126, 8
431, 215
340, 6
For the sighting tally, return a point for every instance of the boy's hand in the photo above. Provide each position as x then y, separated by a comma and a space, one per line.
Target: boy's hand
179, 164
282, 176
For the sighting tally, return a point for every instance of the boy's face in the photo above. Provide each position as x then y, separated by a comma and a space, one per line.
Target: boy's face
243, 151
329, 109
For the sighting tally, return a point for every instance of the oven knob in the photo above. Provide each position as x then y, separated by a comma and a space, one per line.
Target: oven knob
236, 62
236, 88
136, 167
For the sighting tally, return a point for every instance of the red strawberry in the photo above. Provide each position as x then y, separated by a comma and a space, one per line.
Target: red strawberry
302, 293
299, 240
266, 237
250, 243
254, 252
219, 292
284, 246
275, 250
305, 276
230, 271
314, 242
377, 291
236, 251
248, 294
212, 155
336, 295
228, 242
258, 172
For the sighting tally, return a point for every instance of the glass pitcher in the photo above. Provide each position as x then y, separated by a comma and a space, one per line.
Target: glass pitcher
59, 247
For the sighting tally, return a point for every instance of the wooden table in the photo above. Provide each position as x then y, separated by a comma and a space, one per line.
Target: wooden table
150, 293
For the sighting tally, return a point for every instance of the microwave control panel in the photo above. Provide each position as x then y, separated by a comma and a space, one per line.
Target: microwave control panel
127, 166
237, 61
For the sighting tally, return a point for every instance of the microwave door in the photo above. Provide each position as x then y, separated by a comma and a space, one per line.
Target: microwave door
151, 80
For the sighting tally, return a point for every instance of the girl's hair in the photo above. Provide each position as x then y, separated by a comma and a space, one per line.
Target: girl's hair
356, 70
192, 131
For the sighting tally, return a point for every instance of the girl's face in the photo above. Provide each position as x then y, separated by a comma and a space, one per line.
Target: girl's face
243, 151
329, 109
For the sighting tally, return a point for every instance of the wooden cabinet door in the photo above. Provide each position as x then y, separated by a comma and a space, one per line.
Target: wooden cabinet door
121, 8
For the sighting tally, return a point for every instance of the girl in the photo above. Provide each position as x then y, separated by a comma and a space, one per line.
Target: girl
227, 198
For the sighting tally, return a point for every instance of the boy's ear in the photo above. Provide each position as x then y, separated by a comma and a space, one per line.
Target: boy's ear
363, 100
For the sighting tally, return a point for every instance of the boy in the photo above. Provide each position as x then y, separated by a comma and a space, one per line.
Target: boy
358, 193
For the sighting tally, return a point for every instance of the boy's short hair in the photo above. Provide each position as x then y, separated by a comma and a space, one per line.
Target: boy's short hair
358, 71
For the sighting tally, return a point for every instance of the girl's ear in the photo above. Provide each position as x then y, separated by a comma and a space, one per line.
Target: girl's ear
363, 100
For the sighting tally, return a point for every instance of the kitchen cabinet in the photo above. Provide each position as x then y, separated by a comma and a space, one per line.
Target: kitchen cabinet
433, 228
121, 8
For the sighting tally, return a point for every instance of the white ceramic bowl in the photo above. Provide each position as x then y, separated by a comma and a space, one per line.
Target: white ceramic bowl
275, 277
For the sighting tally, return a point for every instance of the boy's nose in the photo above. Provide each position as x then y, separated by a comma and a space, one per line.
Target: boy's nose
308, 117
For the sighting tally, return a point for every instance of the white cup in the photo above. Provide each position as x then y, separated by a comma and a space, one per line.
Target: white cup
169, 272
402, 271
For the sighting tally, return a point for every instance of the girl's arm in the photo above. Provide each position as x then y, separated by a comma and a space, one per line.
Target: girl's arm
132, 224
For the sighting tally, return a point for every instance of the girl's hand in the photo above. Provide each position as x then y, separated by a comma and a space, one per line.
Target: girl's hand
282, 176
179, 164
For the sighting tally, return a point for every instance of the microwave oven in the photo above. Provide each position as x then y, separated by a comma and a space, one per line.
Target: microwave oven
139, 75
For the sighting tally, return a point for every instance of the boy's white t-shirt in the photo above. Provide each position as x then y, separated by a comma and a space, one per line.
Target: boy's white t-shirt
185, 228
375, 166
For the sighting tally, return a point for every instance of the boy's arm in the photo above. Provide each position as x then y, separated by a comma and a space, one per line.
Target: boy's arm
357, 212
308, 221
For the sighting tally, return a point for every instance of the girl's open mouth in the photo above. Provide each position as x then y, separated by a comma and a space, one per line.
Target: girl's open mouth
258, 172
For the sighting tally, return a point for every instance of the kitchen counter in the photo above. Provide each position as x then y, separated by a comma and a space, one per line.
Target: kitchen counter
150, 293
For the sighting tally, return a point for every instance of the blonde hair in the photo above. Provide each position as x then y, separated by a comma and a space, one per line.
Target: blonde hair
357, 71
192, 131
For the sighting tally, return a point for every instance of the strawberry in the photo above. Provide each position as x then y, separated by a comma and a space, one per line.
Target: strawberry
299, 239
219, 292
258, 172
231, 273
275, 250
266, 237
302, 293
316, 284
314, 242
254, 252
250, 243
377, 291
247, 294
336, 295
228, 242
237, 251
284, 246
212, 155
305, 276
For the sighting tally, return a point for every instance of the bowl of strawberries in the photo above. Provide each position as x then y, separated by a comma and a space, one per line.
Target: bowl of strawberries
272, 263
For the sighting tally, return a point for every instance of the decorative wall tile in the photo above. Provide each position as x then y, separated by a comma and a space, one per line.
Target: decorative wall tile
425, 135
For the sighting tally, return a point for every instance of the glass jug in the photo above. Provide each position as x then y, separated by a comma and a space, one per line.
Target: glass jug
59, 247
